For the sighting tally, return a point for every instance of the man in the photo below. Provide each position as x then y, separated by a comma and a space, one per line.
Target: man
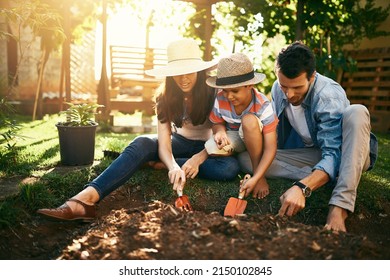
322, 139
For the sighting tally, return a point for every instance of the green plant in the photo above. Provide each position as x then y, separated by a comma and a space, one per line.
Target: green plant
80, 114
8, 135
9, 213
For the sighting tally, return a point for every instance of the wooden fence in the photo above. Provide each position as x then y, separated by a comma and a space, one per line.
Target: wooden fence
370, 85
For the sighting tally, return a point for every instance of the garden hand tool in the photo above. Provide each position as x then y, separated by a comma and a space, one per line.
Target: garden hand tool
237, 205
182, 202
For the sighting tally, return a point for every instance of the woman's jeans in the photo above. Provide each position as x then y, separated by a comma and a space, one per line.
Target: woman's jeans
145, 148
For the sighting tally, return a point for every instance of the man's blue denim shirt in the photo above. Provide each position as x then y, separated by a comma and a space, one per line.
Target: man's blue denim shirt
324, 105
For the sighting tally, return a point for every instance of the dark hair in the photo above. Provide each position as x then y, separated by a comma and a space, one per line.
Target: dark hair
296, 59
169, 101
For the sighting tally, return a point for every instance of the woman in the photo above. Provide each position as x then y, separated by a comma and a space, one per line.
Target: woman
183, 104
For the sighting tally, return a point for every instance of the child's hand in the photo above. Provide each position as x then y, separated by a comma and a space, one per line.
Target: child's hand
221, 139
260, 188
247, 185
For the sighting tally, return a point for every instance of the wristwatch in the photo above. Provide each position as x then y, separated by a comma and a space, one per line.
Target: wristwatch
305, 189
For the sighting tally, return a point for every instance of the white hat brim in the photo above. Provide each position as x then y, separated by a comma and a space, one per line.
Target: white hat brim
259, 77
181, 67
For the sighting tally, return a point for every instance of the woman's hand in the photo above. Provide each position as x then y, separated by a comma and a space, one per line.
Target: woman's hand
177, 177
191, 166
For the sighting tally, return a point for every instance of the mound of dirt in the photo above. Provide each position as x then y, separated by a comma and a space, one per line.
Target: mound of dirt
157, 230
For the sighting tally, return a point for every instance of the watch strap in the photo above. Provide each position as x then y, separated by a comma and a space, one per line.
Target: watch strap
305, 189
299, 184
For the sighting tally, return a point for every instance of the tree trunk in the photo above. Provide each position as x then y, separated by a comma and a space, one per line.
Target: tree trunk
299, 23
38, 92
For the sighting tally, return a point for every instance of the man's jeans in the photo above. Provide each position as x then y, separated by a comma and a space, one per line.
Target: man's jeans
296, 164
145, 148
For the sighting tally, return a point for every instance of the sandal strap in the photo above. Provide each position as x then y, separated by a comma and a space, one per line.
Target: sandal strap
89, 209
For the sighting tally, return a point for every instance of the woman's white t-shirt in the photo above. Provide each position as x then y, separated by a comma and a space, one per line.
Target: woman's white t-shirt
199, 132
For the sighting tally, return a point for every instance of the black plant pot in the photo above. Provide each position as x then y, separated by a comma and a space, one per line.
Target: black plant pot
77, 144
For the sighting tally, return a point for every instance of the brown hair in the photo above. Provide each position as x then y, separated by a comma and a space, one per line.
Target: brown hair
169, 101
296, 59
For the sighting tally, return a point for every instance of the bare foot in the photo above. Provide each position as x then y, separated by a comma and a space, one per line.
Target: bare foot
336, 219
156, 165
159, 165
261, 189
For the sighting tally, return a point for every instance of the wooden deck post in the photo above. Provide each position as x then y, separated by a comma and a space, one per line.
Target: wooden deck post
103, 92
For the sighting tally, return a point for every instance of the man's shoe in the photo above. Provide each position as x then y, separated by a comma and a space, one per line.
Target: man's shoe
65, 213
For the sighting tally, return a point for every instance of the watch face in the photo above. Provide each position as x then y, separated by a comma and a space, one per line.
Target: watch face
306, 192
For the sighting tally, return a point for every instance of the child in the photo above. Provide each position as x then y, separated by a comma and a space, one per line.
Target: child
243, 119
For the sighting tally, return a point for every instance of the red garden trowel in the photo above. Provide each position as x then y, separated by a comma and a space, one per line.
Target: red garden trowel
237, 205
182, 202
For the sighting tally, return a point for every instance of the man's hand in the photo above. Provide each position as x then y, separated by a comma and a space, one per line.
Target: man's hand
292, 201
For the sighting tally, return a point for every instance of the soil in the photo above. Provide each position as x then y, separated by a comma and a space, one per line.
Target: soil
127, 227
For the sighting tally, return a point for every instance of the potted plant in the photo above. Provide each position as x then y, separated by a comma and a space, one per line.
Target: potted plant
77, 134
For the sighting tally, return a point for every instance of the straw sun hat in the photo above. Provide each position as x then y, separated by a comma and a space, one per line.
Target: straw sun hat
235, 71
184, 57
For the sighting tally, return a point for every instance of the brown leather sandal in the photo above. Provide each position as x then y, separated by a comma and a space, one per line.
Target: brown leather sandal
65, 213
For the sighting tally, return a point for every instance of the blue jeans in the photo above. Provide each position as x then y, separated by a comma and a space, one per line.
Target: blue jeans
145, 148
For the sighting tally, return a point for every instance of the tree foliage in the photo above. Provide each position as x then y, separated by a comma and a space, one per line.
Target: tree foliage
325, 25
40, 18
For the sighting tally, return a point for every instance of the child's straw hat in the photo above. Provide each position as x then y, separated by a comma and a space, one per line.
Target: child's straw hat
235, 71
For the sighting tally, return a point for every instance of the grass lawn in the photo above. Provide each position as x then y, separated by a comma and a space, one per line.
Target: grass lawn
39, 156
